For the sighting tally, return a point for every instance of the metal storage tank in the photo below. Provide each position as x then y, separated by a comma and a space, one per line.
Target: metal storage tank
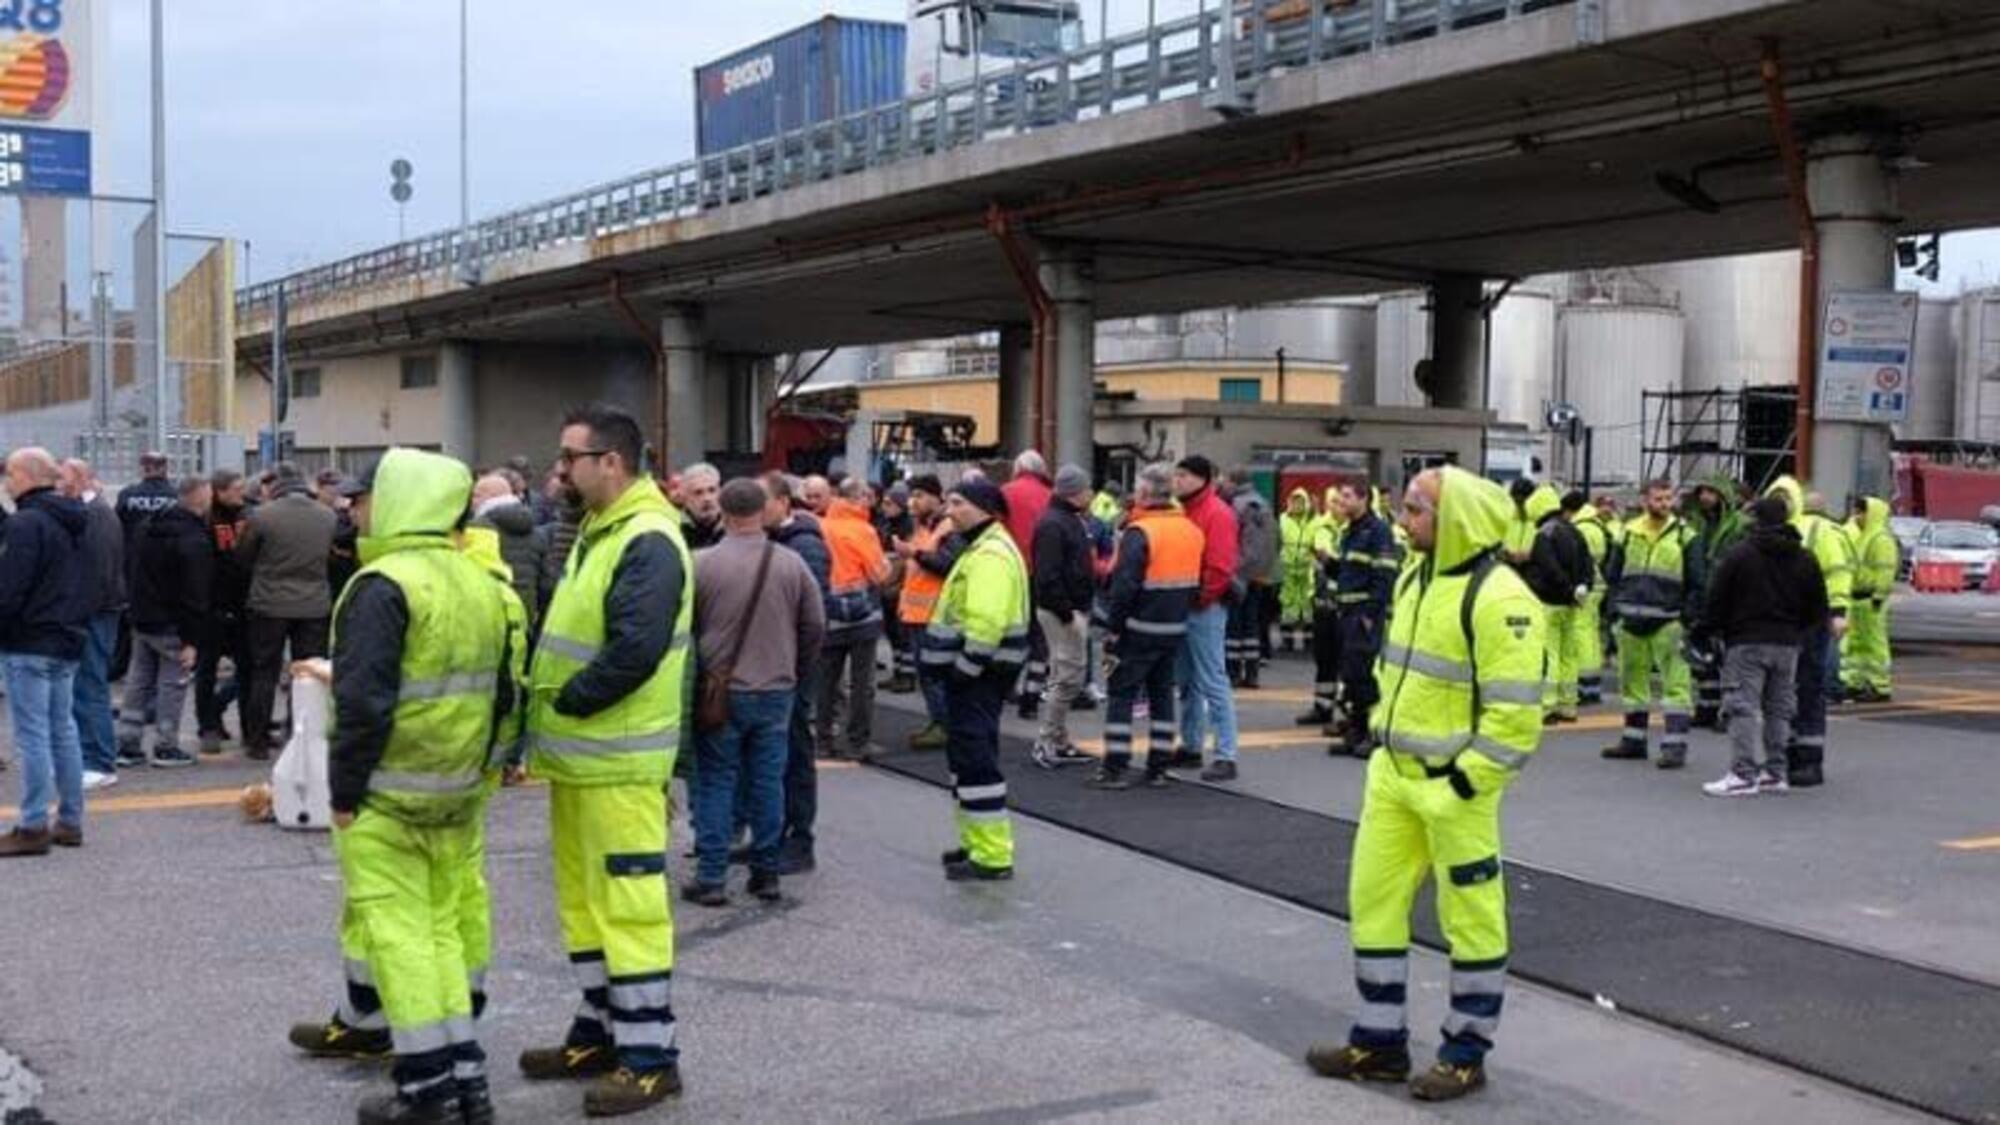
811, 74
1742, 317
1139, 339
1979, 366
1609, 354
1524, 356
1934, 373
1336, 330
1402, 337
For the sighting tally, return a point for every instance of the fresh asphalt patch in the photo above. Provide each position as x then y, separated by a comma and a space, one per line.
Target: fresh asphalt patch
1915, 1035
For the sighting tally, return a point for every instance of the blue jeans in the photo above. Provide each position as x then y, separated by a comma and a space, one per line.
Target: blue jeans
1203, 676
93, 694
754, 742
40, 700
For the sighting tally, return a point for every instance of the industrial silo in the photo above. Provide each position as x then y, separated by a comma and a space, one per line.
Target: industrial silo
1741, 315
1402, 338
1609, 354
1979, 366
1524, 356
1328, 330
1139, 339
1934, 373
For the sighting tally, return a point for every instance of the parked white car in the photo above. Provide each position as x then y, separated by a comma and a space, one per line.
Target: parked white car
1906, 529
1972, 545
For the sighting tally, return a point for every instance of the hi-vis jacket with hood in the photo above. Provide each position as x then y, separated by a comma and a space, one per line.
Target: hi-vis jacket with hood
427, 655
1597, 539
981, 620
1824, 541
1462, 667
1877, 554
1658, 579
1295, 548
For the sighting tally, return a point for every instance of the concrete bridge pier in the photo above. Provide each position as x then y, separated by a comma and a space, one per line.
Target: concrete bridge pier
1853, 199
686, 343
458, 406
1017, 389
1458, 343
1069, 276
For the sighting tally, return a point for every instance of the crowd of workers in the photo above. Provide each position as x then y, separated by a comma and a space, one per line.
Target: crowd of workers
477, 632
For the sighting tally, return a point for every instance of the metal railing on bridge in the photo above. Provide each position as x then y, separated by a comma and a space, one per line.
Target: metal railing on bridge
1193, 56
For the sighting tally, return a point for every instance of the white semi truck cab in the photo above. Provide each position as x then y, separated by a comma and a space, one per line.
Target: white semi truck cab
951, 40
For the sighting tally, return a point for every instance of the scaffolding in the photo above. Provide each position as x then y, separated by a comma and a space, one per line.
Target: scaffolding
1747, 434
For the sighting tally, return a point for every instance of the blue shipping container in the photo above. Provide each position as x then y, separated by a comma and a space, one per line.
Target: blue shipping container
830, 67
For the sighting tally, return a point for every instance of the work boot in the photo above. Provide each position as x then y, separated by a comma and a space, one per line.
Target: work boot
955, 855
1623, 751
1359, 1064
901, 684
1157, 778
1805, 777
396, 1109
211, 742
66, 835
968, 871
1318, 716
475, 1101
335, 1040
1250, 678
795, 857
764, 886
705, 894
1671, 759
24, 841
1084, 701
1444, 1082
1184, 759
1219, 771
932, 737
1109, 780
571, 1060
1031, 707
130, 754
626, 1091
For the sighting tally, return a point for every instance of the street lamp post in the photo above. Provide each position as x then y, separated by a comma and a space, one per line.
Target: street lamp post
158, 328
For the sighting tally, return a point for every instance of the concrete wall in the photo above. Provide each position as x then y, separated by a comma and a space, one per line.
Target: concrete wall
1243, 433
977, 397
524, 390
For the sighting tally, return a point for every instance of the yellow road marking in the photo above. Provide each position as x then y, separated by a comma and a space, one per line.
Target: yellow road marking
140, 802
1974, 844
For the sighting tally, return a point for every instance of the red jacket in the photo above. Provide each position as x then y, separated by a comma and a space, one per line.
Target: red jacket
1027, 498
1217, 522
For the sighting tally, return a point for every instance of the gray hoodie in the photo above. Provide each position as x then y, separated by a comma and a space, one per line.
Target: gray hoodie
1256, 536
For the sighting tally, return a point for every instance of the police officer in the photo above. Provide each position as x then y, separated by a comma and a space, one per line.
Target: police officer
1152, 589
426, 656
1806, 756
978, 637
1461, 682
1864, 651
1656, 589
604, 725
1363, 578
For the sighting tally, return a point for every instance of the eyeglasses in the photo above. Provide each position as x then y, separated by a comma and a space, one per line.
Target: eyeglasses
571, 456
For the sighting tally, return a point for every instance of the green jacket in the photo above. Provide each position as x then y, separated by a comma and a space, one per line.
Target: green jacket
1825, 541
1726, 527
981, 620
633, 739
1477, 707
461, 646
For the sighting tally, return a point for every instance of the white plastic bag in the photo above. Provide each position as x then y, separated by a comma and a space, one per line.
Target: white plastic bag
300, 796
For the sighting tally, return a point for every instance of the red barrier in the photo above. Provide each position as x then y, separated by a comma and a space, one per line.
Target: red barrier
1993, 579
1938, 578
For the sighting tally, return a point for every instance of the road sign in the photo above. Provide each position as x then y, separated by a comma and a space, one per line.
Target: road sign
1866, 347
44, 161
400, 191
399, 169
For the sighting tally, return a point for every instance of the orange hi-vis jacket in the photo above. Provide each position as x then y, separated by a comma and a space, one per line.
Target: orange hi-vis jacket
854, 612
1155, 577
920, 585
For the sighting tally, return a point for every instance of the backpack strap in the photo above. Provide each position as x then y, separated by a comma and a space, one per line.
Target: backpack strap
1480, 571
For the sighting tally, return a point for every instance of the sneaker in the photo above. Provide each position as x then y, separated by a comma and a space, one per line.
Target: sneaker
172, 758
1109, 780
705, 894
626, 1091
211, 742
1773, 781
1042, 756
335, 1040
98, 779
543, 1064
968, 871
1445, 1082
932, 737
1359, 1064
1069, 756
1623, 751
398, 1109
1220, 771
1733, 784
764, 886
130, 756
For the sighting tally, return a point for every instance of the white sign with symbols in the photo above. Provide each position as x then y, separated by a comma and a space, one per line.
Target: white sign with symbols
1867, 340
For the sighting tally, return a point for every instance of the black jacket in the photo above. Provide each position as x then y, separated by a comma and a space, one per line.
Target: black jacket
521, 548
173, 576
104, 557
45, 597
1063, 567
231, 587
140, 502
802, 535
1558, 563
1768, 591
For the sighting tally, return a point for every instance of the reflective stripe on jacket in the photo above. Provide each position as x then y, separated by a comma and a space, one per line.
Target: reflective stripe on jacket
1657, 580
634, 740
1155, 576
981, 621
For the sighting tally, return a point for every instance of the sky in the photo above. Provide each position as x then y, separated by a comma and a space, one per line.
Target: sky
283, 115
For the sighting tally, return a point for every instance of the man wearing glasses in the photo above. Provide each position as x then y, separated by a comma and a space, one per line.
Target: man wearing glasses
603, 728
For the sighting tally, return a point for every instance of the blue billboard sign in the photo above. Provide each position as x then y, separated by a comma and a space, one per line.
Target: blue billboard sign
44, 161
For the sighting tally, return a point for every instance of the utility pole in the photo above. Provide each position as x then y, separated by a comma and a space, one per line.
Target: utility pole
159, 326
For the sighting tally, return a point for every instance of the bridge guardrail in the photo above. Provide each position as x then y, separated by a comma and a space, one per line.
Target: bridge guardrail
1174, 59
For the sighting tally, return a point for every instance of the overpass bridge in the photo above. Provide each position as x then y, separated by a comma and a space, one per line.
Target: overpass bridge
1327, 148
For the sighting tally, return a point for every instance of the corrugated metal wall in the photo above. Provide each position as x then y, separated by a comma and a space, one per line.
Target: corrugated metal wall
830, 67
